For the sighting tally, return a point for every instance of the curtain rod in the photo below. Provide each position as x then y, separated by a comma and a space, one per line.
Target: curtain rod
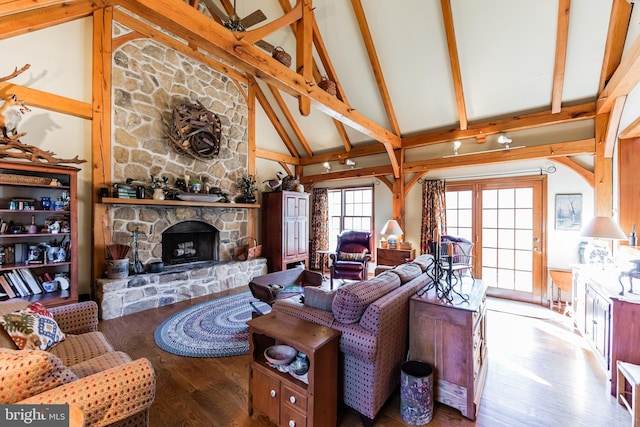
549, 170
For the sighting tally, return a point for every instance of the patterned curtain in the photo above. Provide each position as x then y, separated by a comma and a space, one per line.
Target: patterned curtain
319, 226
434, 218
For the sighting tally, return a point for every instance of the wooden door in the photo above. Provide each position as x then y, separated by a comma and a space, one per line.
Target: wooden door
505, 218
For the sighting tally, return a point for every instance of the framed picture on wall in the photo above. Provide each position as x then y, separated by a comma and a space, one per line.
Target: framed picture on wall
568, 211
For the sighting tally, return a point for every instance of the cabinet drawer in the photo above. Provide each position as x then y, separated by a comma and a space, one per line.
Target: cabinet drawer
479, 314
289, 417
294, 398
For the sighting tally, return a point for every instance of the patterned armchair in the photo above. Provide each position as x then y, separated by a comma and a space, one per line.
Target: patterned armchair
83, 370
352, 256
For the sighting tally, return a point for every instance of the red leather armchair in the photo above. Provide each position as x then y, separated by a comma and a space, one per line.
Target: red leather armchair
352, 256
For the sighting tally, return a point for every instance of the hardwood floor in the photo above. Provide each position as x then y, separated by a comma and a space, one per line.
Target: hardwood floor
541, 373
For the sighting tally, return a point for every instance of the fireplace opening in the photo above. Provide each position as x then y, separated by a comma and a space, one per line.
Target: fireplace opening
188, 242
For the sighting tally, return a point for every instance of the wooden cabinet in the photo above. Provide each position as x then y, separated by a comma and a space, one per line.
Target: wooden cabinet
22, 188
285, 229
394, 257
452, 339
606, 319
286, 400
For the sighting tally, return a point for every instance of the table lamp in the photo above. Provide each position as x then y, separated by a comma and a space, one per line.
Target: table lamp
393, 230
600, 229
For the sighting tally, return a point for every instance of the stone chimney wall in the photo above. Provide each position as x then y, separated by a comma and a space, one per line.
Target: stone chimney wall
149, 81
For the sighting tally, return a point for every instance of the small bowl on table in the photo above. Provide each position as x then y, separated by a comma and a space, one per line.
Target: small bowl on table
280, 354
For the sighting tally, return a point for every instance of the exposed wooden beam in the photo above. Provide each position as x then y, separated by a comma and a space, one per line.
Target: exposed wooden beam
22, 22
126, 38
562, 35
100, 135
276, 157
321, 49
304, 58
586, 174
527, 121
201, 31
366, 150
447, 16
375, 65
290, 119
328, 67
275, 121
631, 131
612, 126
47, 101
346, 174
162, 38
603, 170
625, 78
616, 35
296, 14
572, 148
13, 6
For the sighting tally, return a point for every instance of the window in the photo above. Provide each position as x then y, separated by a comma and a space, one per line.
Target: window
349, 209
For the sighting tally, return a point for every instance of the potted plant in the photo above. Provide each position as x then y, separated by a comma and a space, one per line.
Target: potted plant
158, 185
247, 184
195, 185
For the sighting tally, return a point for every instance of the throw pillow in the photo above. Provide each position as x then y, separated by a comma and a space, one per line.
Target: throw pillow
32, 328
351, 256
25, 373
318, 298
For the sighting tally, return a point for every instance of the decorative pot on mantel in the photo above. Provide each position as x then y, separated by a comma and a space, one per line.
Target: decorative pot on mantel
158, 194
249, 198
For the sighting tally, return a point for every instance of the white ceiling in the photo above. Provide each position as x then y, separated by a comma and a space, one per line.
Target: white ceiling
506, 50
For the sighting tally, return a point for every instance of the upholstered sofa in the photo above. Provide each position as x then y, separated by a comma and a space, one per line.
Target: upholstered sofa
82, 370
373, 316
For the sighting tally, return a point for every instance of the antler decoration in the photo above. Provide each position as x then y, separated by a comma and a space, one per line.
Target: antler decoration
15, 73
10, 114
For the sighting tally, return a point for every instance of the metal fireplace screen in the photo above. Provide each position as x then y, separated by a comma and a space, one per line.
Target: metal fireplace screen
190, 241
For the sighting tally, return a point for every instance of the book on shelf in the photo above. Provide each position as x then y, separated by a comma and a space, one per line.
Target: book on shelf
30, 280
17, 283
6, 287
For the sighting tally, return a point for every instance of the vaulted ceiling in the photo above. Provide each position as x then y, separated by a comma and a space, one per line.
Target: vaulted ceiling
412, 76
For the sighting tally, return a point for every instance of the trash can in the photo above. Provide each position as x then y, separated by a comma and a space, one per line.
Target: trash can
416, 392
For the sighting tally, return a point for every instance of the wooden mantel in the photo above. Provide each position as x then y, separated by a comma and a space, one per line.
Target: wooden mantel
171, 203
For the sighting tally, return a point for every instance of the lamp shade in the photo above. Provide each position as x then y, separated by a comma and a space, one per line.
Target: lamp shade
392, 228
603, 227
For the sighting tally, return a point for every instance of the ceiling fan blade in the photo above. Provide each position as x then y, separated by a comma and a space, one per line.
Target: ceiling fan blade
215, 10
253, 19
262, 44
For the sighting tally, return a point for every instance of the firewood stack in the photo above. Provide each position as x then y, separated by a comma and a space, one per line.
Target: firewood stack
196, 130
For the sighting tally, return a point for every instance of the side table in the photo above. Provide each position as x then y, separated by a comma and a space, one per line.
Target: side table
451, 337
284, 399
323, 260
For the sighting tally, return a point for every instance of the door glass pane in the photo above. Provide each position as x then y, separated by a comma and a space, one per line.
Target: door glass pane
524, 218
490, 276
489, 258
505, 258
506, 239
524, 197
523, 261
489, 218
490, 238
465, 199
524, 239
506, 218
506, 198
489, 199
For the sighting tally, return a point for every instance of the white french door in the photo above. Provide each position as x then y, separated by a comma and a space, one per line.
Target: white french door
505, 219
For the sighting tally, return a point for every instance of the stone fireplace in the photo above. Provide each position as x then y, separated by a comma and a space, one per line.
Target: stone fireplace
148, 81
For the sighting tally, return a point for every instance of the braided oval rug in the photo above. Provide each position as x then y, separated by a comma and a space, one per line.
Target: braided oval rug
215, 328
